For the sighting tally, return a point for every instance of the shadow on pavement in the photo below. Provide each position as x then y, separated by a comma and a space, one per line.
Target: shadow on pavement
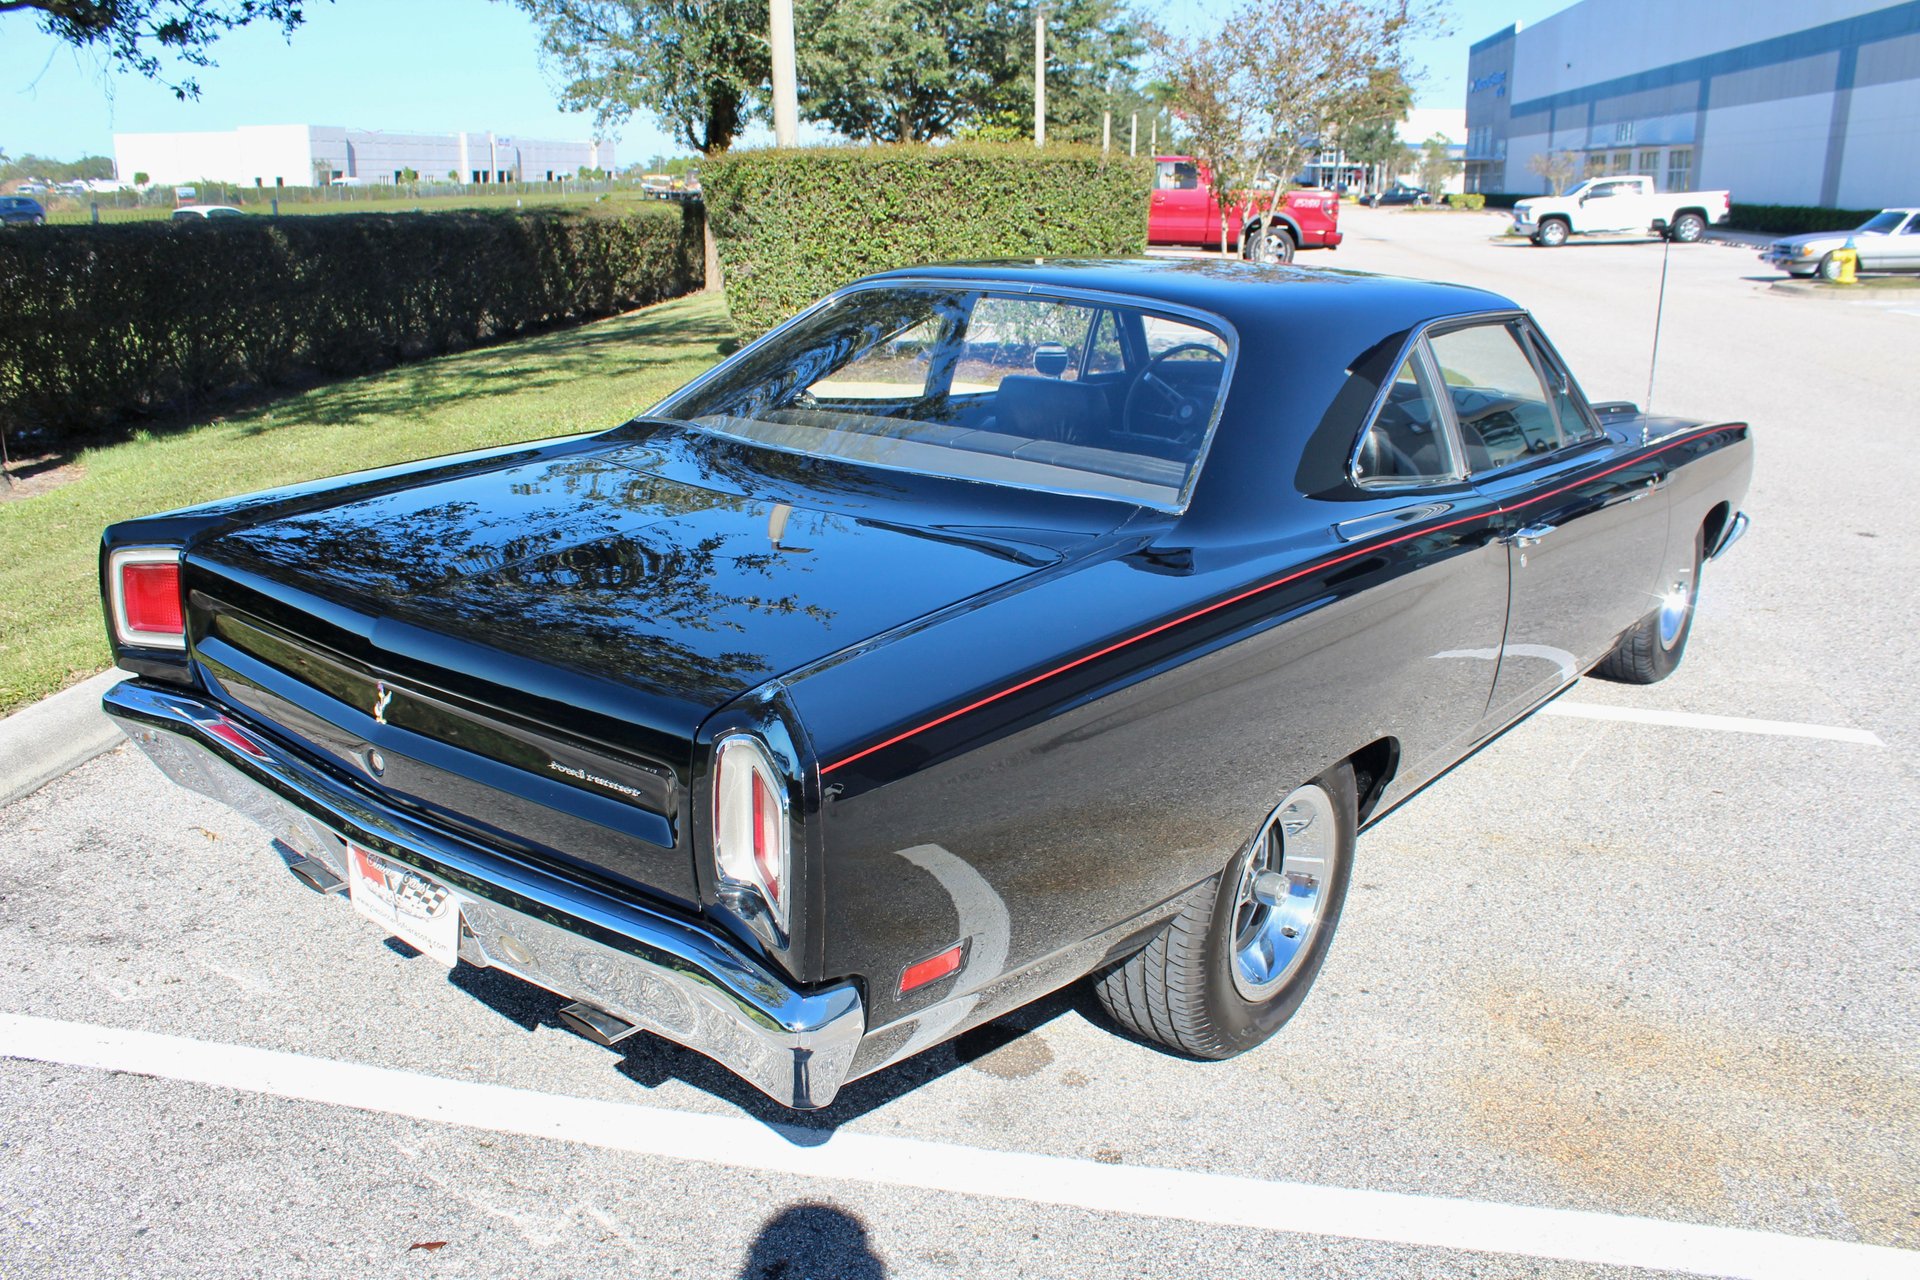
812, 1240
1008, 1048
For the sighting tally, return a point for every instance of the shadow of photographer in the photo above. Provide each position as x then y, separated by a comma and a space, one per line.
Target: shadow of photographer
812, 1242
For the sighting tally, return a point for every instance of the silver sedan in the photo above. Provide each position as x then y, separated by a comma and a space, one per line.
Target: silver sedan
1888, 241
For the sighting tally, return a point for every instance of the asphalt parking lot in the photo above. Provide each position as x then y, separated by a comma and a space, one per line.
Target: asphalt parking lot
1648, 961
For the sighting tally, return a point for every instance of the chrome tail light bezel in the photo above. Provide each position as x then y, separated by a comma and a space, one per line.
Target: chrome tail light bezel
124, 632
759, 889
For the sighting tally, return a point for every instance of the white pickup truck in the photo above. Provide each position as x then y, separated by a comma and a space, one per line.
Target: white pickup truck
1624, 202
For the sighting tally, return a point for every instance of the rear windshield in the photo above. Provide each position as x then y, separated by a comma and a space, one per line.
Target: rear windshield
1055, 393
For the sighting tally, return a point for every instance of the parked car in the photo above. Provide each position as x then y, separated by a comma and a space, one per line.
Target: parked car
1626, 202
1888, 241
979, 630
191, 212
1397, 195
21, 211
1184, 211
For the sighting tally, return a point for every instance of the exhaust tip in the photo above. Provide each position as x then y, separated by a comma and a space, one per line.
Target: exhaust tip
596, 1024
318, 876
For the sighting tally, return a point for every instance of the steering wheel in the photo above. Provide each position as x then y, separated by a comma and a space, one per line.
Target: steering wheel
1154, 399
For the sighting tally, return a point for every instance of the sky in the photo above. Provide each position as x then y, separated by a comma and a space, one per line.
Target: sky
444, 65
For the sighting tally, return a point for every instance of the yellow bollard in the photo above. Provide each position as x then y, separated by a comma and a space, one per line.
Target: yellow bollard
1845, 260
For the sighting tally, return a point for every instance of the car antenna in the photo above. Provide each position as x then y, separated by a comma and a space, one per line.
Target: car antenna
1653, 358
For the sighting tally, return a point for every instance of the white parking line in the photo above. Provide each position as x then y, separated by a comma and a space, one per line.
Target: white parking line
1221, 1199
1725, 724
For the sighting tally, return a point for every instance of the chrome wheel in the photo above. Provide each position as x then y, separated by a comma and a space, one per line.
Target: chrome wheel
1281, 901
1271, 244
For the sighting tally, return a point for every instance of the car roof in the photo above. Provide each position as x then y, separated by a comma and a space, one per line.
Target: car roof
1295, 406
1245, 294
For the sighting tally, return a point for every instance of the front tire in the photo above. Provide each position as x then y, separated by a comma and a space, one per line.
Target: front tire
1687, 228
1829, 269
1553, 234
1651, 651
1235, 964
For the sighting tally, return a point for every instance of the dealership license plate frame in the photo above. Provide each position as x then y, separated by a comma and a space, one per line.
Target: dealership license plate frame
410, 905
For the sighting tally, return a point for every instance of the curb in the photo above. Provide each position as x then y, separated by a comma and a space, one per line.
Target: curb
1859, 297
55, 736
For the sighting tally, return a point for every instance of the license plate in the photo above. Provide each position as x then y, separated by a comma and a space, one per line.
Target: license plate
416, 909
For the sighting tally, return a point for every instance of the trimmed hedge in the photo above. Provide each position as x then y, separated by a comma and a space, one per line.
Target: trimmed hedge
792, 225
1470, 200
103, 322
1794, 219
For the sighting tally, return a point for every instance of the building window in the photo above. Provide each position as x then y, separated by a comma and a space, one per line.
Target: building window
1649, 164
1622, 162
1680, 168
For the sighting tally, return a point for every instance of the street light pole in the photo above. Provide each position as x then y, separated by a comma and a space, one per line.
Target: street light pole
786, 93
1039, 75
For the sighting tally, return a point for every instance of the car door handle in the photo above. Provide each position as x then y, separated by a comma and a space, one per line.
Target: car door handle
1531, 536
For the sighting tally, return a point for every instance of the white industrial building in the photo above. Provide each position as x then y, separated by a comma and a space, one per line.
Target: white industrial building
300, 155
1808, 102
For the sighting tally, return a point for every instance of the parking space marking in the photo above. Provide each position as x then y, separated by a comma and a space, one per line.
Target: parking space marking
735, 1142
1723, 724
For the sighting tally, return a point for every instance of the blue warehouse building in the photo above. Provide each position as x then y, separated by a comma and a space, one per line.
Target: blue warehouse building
1780, 101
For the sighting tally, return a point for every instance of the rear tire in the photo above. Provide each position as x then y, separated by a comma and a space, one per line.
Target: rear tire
1651, 651
1687, 228
1270, 244
1553, 233
1235, 964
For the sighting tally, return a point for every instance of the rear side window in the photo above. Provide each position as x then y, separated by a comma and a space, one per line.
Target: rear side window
1497, 397
1407, 442
1177, 175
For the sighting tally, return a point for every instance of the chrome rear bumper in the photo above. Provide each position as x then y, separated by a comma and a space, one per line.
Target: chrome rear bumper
1736, 529
666, 975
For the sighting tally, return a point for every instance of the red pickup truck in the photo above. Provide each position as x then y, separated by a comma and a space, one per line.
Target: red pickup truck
1184, 211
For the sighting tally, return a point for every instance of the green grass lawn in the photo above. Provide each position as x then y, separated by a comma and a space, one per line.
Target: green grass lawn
594, 376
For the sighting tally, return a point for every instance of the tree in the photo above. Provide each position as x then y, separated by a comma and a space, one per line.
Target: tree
1555, 168
1437, 164
141, 178
1212, 101
1367, 124
1277, 82
135, 35
874, 70
701, 66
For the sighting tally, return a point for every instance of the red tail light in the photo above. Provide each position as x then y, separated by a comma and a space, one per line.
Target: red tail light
143, 589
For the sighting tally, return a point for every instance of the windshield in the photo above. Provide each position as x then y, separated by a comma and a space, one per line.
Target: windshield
1062, 394
1884, 222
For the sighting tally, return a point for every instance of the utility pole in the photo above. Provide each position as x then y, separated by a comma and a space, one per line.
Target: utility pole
1106, 133
1133, 135
786, 93
1154, 145
1039, 75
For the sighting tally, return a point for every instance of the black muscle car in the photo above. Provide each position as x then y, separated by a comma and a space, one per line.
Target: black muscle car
981, 629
